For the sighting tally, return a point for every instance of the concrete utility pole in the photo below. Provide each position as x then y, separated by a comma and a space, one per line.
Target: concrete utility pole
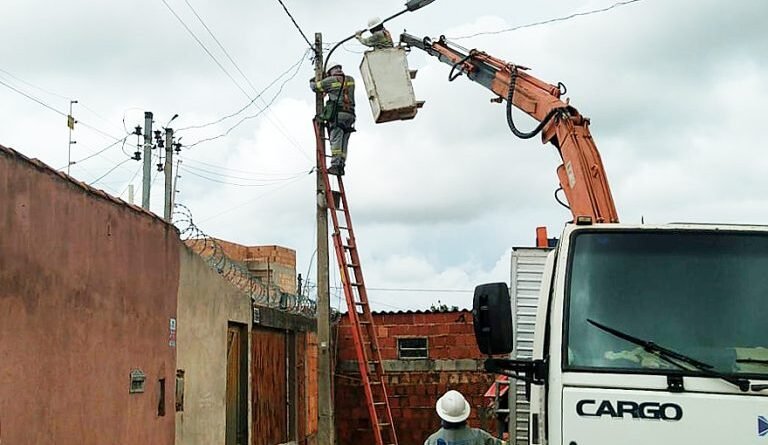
71, 124
168, 169
326, 434
175, 183
146, 179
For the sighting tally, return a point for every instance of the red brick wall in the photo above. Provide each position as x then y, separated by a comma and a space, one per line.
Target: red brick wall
412, 394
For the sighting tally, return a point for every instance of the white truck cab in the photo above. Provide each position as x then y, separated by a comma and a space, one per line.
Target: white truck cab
642, 335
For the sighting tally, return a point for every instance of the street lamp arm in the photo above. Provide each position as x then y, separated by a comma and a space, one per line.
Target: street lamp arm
411, 5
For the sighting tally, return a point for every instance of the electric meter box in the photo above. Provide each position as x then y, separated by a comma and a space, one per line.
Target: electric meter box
388, 85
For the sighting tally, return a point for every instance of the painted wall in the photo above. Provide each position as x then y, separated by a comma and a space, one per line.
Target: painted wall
207, 303
413, 386
88, 286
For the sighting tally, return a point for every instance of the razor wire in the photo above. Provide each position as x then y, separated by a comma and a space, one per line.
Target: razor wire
210, 250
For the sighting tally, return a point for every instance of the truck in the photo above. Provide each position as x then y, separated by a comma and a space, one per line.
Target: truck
638, 333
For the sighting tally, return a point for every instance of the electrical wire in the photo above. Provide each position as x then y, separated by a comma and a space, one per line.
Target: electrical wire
109, 171
247, 172
234, 183
219, 214
297, 25
280, 176
205, 48
52, 93
277, 94
189, 30
30, 97
224, 50
544, 22
130, 181
294, 66
97, 153
33, 98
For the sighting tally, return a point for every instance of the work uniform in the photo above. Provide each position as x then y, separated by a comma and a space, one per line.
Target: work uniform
378, 40
339, 113
462, 436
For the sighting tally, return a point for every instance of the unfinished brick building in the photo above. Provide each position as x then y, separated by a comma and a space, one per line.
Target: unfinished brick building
424, 354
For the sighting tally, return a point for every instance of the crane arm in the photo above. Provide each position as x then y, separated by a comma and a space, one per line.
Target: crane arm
581, 174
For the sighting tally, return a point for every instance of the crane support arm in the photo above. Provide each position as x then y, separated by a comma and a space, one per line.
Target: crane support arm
581, 174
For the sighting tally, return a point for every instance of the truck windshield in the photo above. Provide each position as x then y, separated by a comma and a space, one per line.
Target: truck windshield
701, 293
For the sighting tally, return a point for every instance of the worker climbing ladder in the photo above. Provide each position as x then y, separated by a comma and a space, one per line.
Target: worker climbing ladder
363, 328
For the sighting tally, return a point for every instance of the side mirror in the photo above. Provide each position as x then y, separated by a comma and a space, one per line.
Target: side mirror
492, 317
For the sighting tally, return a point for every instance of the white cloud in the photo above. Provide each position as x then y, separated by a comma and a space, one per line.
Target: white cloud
674, 91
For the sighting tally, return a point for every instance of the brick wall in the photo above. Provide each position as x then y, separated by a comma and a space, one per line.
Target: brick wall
454, 362
274, 265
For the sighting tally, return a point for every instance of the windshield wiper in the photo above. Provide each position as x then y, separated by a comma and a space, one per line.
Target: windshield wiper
758, 361
670, 356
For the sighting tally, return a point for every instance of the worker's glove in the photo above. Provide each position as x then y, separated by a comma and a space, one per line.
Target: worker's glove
359, 34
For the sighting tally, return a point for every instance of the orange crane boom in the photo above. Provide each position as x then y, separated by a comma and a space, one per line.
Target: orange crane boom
582, 176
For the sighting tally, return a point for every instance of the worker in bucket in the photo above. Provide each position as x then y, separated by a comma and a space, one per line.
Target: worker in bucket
453, 410
380, 38
338, 114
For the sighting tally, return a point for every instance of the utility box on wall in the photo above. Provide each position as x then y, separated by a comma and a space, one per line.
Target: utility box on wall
388, 85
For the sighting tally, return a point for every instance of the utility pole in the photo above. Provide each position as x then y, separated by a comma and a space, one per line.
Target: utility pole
146, 178
168, 169
325, 426
71, 124
175, 182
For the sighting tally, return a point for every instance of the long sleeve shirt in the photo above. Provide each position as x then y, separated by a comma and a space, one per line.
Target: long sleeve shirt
378, 40
333, 86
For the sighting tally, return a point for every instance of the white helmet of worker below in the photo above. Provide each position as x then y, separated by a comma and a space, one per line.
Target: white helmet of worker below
374, 22
452, 407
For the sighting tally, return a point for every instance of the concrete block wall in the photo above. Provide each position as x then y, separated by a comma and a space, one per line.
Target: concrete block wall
454, 362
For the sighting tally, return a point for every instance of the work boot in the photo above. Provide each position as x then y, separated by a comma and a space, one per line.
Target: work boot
336, 170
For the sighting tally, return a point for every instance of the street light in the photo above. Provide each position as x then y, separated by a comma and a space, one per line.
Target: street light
410, 5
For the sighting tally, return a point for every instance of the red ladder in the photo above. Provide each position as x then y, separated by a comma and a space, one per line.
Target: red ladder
363, 328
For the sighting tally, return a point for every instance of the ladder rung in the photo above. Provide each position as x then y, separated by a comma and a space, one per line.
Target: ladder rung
379, 403
352, 265
343, 228
360, 303
383, 425
364, 322
356, 284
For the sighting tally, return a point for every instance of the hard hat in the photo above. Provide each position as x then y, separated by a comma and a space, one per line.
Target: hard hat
334, 68
374, 22
452, 407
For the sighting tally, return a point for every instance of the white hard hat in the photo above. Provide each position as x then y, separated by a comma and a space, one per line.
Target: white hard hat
452, 407
374, 22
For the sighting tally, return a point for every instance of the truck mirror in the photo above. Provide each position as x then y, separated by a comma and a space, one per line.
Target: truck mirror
492, 318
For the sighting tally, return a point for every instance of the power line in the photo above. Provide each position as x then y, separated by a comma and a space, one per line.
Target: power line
109, 171
130, 181
194, 36
544, 22
272, 182
97, 153
219, 214
296, 24
205, 48
391, 289
35, 86
33, 98
224, 175
279, 91
248, 172
226, 53
53, 93
30, 97
294, 66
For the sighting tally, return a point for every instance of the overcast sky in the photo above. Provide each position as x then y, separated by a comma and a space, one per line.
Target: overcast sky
675, 91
